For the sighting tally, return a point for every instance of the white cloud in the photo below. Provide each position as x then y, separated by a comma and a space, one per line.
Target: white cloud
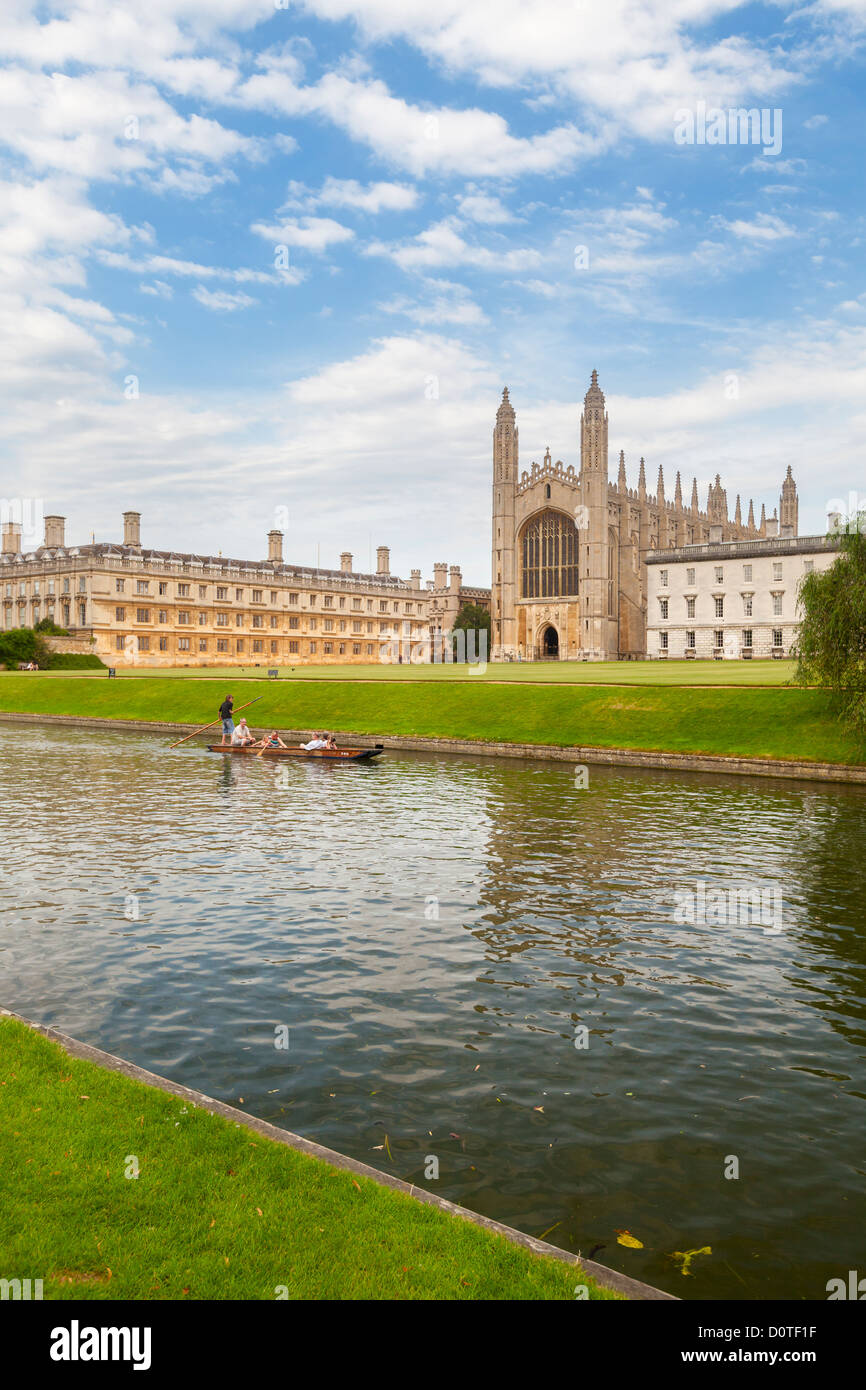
482, 207
442, 244
224, 301
313, 234
349, 193
764, 228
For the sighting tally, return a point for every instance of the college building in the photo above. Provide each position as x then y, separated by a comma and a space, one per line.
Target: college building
134, 606
569, 572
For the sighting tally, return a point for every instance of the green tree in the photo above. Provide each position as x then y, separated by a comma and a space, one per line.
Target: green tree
23, 644
831, 642
48, 625
473, 618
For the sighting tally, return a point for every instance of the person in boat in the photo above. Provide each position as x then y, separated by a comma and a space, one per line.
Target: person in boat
273, 740
317, 741
226, 717
243, 735
330, 743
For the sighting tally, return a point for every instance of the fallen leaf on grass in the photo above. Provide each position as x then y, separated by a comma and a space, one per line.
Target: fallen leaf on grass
356, 1184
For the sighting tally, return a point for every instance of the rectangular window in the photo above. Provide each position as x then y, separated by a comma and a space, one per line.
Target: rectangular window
369, 627
663, 578
808, 566
663, 641
720, 637
239, 619
82, 585
66, 587
663, 607
239, 594
257, 645
222, 644
690, 607
356, 603
257, 620
202, 591
163, 615
163, 644
313, 622
274, 620
747, 605
142, 615
119, 642
356, 626
312, 649
294, 622
239, 646
183, 617
222, 592
777, 569
341, 625
690, 576
720, 574
257, 595
383, 605
329, 647
273, 646
356, 648
720, 607
273, 595
294, 647
369, 648
141, 586
293, 598
747, 574
202, 619
747, 637
777, 605
222, 620
328, 601
144, 643
202, 644
777, 637
342, 601
183, 644
119, 585
328, 624
690, 640
120, 615
163, 588
183, 591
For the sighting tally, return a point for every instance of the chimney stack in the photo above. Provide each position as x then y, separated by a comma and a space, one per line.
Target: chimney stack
456, 579
132, 529
346, 561
275, 547
772, 526
11, 543
415, 576
440, 569
55, 530
383, 560
716, 533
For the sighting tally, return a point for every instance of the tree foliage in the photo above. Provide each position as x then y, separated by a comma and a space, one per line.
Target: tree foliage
23, 644
472, 618
831, 641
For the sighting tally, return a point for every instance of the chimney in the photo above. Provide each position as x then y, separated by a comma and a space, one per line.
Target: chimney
455, 580
772, 526
346, 561
275, 547
787, 531
715, 533
55, 530
440, 569
415, 576
132, 529
383, 560
11, 538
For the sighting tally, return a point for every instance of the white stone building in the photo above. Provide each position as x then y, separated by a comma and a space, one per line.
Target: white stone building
730, 599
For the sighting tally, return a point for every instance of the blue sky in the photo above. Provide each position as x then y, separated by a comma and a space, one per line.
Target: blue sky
428, 172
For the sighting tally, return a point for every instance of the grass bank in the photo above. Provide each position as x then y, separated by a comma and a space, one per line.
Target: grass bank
763, 722
217, 1211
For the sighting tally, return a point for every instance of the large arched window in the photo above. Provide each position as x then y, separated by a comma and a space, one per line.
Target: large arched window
549, 556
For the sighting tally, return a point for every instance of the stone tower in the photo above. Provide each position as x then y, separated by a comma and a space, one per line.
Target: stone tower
594, 579
503, 574
789, 507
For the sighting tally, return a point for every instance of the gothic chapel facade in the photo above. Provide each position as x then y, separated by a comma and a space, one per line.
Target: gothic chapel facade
568, 577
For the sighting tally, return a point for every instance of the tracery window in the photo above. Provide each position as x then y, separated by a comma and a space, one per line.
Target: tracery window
549, 553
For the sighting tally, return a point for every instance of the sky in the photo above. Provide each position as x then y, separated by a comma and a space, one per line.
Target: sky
266, 263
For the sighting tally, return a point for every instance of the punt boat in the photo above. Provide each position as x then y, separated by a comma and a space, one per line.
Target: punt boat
325, 755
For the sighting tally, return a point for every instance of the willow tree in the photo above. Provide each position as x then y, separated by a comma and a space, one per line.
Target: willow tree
831, 642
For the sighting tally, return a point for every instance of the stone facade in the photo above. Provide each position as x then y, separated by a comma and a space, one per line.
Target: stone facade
730, 600
569, 578
152, 608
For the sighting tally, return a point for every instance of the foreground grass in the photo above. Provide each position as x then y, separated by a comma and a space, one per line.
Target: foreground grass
762, 722
696, 673
218, 1212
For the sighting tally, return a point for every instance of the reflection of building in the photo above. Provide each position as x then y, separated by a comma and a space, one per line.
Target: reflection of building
730, 599
569, 580
159, 608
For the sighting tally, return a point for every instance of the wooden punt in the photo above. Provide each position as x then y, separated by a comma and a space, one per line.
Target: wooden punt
326, 755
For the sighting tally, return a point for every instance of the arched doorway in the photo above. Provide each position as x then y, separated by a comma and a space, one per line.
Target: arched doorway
550, 644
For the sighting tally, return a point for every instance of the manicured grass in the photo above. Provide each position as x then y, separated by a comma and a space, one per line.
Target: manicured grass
217, 1211
761, 722
696, 673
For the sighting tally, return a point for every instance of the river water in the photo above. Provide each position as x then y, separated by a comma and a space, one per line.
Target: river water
480, 963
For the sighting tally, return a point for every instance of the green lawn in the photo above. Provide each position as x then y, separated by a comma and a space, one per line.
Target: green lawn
217, 1211
759, 722
699, 673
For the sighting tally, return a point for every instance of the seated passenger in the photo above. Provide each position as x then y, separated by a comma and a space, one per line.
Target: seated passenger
317, 741
273, 740
330, 742
243, 735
